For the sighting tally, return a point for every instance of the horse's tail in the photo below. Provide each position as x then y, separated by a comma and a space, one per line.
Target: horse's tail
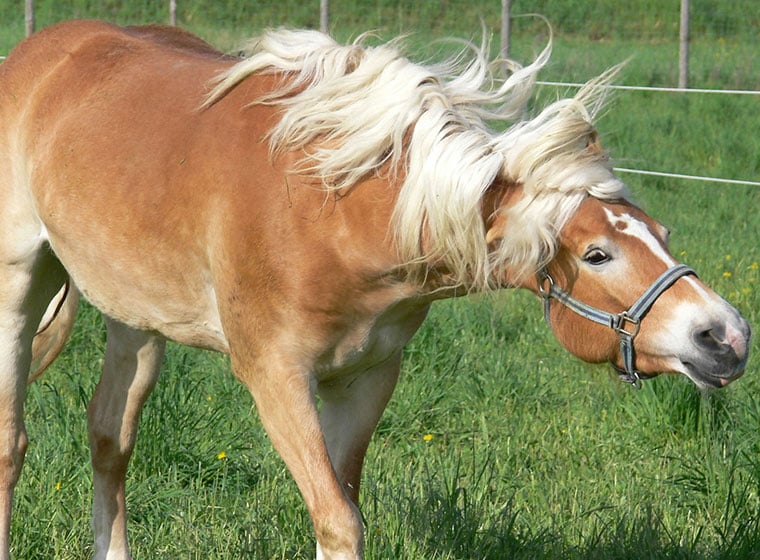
54, 329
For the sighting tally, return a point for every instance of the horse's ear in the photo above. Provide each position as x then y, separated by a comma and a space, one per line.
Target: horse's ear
496, 228
593, 144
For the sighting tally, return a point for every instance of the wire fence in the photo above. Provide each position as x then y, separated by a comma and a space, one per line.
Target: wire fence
714, 21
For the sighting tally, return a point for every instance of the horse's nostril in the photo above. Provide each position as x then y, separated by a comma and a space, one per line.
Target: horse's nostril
712, 339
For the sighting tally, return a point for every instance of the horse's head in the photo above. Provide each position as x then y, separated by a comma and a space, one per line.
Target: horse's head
613, 292
561, 225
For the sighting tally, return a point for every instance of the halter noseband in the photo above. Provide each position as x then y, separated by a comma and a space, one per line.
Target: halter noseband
626, 323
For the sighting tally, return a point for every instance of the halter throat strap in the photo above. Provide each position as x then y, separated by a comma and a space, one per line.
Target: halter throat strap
626, 323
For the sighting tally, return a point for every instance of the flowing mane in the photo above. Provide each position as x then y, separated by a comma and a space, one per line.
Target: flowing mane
357, 108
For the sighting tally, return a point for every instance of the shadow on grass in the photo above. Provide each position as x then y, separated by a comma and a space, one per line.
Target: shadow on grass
449, 525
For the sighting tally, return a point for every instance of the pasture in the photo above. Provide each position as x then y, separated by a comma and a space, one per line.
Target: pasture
497, 443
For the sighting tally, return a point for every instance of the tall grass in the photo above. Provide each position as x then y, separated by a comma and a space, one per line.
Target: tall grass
497, 444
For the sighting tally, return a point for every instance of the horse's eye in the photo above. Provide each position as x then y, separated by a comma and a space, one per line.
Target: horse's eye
596, 256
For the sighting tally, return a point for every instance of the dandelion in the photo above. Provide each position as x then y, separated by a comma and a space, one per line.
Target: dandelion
728, 257
221, 456
754, 266
727, 274
58, 486
427, 437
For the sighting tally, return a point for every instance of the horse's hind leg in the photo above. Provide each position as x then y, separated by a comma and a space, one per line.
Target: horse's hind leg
130, 370
28, 280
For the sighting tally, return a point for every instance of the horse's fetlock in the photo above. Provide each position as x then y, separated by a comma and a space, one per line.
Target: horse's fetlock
341, 542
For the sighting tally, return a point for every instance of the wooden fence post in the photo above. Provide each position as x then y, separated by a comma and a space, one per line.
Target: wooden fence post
173, 12
29, 16
506, 27
324, 15
683, 51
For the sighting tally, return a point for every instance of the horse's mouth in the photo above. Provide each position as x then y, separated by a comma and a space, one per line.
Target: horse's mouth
711, 380
700, 378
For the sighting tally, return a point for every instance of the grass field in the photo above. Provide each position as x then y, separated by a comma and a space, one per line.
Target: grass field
497, 444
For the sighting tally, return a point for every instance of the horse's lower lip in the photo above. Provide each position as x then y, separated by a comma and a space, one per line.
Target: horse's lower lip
710, 380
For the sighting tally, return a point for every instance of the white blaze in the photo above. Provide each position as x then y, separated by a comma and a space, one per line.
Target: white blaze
629, 225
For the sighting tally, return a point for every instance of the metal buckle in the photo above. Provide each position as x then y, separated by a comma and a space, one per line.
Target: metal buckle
621, 321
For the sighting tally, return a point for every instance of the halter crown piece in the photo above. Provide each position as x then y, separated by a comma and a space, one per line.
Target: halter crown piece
626, 323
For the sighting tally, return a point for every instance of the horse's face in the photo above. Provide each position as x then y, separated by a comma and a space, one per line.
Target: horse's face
612, 253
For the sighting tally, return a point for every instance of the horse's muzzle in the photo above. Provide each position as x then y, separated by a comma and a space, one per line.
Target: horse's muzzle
719, 353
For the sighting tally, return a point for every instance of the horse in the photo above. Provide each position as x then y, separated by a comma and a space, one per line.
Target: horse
300, 207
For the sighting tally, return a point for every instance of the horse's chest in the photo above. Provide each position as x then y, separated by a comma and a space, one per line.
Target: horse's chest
371, 341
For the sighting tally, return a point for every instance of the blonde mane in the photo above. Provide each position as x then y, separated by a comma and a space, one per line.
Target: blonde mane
356, 108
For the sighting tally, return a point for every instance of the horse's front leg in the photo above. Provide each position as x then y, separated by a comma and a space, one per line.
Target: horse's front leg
284, 397
130, 370
351, 409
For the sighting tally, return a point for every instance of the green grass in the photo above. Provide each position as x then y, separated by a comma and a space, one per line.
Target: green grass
533, 455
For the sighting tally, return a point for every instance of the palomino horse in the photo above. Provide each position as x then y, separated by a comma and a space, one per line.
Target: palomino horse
301, 216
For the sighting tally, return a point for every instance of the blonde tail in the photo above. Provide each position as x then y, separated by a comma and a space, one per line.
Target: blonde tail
54, 329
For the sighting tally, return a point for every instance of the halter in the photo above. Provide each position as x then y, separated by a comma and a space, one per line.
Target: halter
626, 323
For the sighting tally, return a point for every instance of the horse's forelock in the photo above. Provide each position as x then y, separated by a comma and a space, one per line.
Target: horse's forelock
557, 159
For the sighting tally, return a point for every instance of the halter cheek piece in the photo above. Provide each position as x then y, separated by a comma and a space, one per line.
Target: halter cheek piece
626, 323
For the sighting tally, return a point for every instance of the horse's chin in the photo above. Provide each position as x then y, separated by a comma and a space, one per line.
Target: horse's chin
626, 377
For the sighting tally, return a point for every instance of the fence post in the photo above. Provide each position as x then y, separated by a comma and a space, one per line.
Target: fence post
173, 12
29, 16
506, 8
683, 51
324, 15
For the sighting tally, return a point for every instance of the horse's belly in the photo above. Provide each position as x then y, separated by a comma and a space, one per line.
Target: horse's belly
157, 292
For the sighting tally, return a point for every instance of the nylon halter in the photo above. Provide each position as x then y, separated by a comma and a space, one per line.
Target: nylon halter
626, 323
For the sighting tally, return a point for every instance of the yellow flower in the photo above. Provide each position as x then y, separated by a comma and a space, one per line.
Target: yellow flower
222, 455
58, 486
754, 266
427, 437
728, 257
727, 274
